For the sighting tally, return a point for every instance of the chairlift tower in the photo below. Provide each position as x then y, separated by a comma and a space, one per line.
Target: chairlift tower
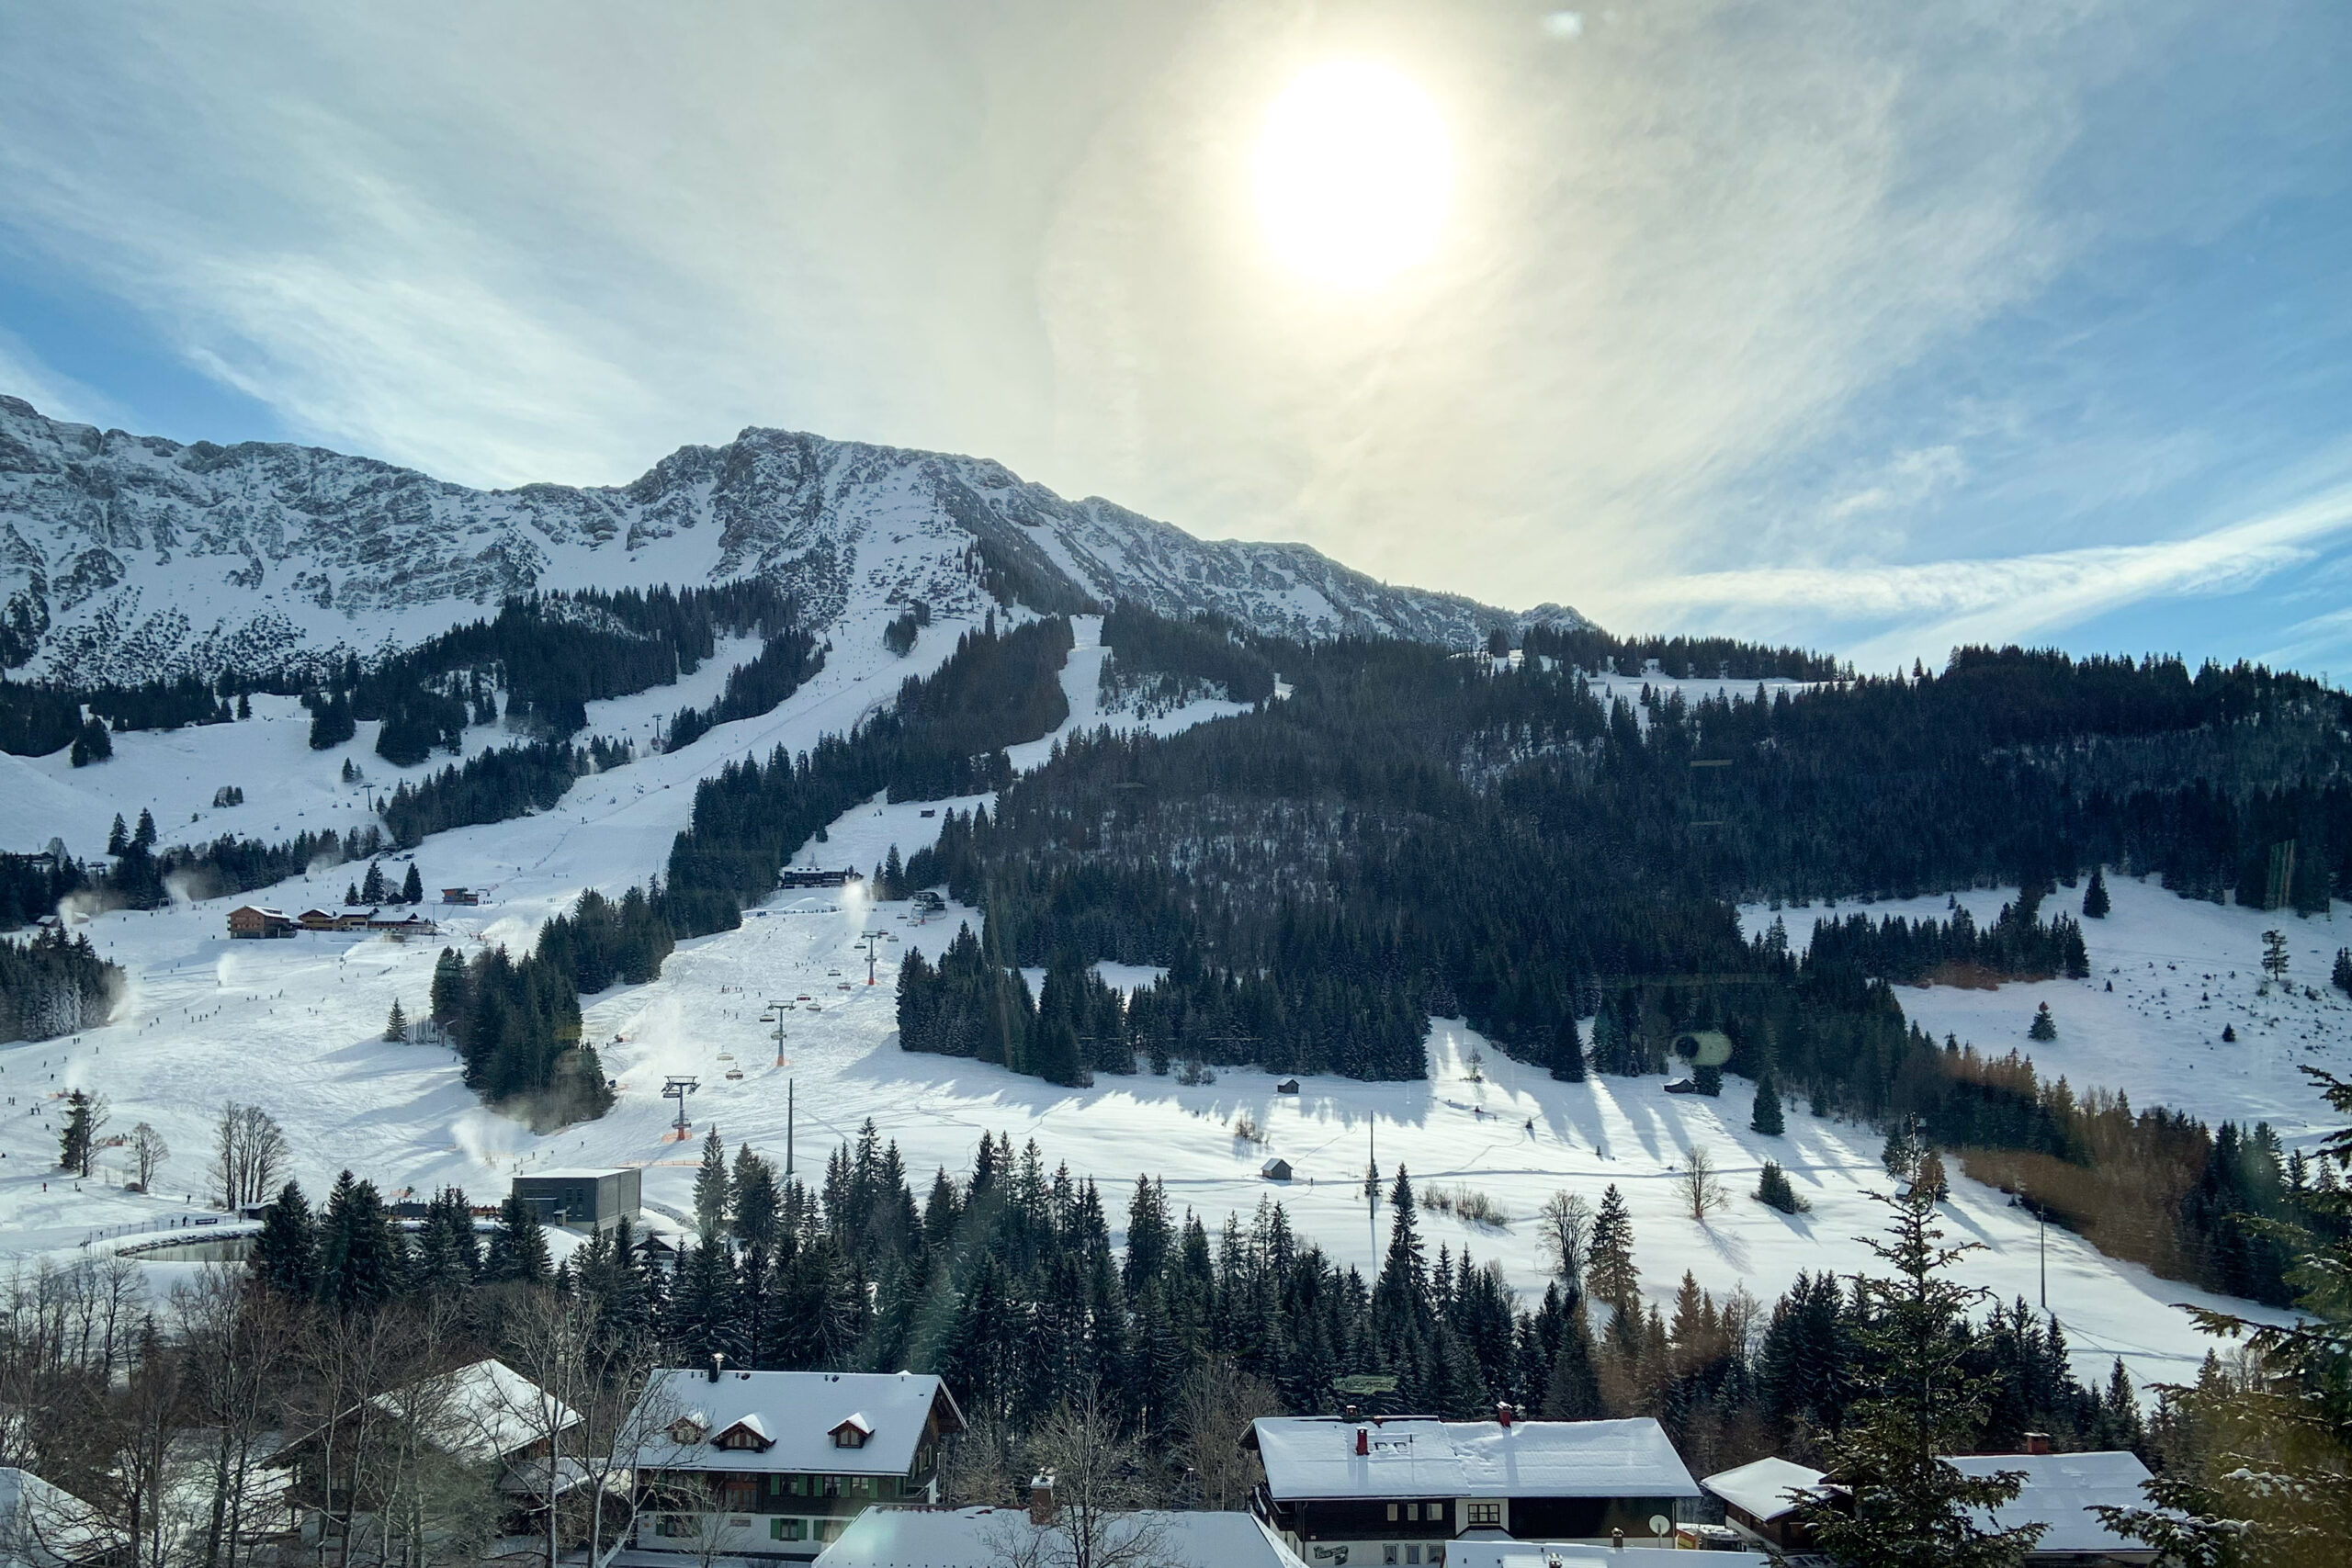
873, 941
678, 1089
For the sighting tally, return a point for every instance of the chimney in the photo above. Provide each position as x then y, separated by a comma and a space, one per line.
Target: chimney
1505, 1414
1352, 1412
1041, 1499
1363, 1441
1617, 1540
715, 1360
2037, 1442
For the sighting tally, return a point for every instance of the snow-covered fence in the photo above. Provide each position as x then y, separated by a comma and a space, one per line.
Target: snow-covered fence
181, 1227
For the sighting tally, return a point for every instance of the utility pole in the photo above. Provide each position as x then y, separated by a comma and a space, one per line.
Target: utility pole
788, 1108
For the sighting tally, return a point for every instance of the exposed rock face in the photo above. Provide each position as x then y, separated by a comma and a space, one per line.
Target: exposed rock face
123, 556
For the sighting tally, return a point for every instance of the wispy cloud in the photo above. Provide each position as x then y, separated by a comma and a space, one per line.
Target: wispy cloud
23, 374
1954, 602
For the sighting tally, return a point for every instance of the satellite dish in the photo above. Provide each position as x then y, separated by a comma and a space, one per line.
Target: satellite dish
1661, 1524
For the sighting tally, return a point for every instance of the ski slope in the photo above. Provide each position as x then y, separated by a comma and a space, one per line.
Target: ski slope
295, 1026
2167, 973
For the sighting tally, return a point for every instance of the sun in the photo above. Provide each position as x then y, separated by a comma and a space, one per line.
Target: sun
1354, 175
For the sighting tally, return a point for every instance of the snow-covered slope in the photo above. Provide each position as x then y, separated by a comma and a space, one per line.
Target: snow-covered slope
124, 555
2168, 975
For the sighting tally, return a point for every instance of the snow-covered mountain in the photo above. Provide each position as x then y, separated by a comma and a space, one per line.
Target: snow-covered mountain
124, 555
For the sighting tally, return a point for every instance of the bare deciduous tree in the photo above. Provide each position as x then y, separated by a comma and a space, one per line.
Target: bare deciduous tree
1099, 1490
148, 1153
248, 1150
1564, 1229
238, 1343
1214, 1410
1702, 1193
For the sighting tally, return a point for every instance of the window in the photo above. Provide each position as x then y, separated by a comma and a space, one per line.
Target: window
800, 1486
1412, 1555
1392, 1512
787, 1530
1413, 1517
830, 1529
861, 1487
1388, 1553
1484, 1514
1437, 1512
676, 1525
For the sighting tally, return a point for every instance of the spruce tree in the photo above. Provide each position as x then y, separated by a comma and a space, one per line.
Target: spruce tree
1572, 1386
413, 887
1904, 1504
77, 1140
350, 894
360, 1255
396, 1025
1766, 1117
118, 836
448, 995
1609, 1257
285, 1259
518, 1246
2342, 976
2094, 900
371, 886
91, 744
2043, 1027
1400, 1301
710, 1190
245, 705
143, 836
1568, 1052
1773, 1190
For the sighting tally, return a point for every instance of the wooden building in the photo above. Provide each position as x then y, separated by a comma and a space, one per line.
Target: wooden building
1399, 1489
775, 1465
251, 921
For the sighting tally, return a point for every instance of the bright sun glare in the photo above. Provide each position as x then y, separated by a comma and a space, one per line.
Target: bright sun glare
1353, 175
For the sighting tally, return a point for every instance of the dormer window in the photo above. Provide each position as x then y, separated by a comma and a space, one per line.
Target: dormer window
853, 1432
748, 1433
686, 1431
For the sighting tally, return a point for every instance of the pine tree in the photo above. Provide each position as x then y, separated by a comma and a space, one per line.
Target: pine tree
396, 1025
1568, 1052
413, 887
350, 894
2228, 1033
448, 995
1909, 1505
143, 837
1773, 1190
710, 1190
1572, 1386
1400, 1300
2094, 900
77, 1140
2043, 1027
518, 1246
1609, 1255
118, 836
91, 744
245, 705
1767, 1118
360, 1256
1932, 1179
286, 1253
371, 886
2273, 951
2342, 977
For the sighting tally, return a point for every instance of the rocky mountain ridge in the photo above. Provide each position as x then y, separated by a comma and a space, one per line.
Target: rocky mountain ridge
124, 556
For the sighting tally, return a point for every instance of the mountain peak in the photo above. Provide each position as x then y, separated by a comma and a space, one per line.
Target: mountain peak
123, 556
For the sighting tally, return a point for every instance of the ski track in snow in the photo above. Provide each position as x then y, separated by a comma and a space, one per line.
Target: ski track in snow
295, 1026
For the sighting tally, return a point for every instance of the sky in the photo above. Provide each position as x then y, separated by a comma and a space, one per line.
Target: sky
1872, 327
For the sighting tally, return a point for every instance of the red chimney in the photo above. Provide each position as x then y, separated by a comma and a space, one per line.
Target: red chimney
2037, 1442
1041, 1499
1363, 1441
1503, 1412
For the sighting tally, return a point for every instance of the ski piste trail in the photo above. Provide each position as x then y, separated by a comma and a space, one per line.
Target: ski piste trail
296, 1027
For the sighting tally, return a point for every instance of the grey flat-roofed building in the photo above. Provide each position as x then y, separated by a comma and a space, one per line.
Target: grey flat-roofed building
582, 1199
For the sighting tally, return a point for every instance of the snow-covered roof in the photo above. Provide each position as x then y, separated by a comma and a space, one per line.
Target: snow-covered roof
486, 1410
43, 1526
1308, 1456
1466, 1552
979, 1538
800, 1410
2059, 1491
1765, 1490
